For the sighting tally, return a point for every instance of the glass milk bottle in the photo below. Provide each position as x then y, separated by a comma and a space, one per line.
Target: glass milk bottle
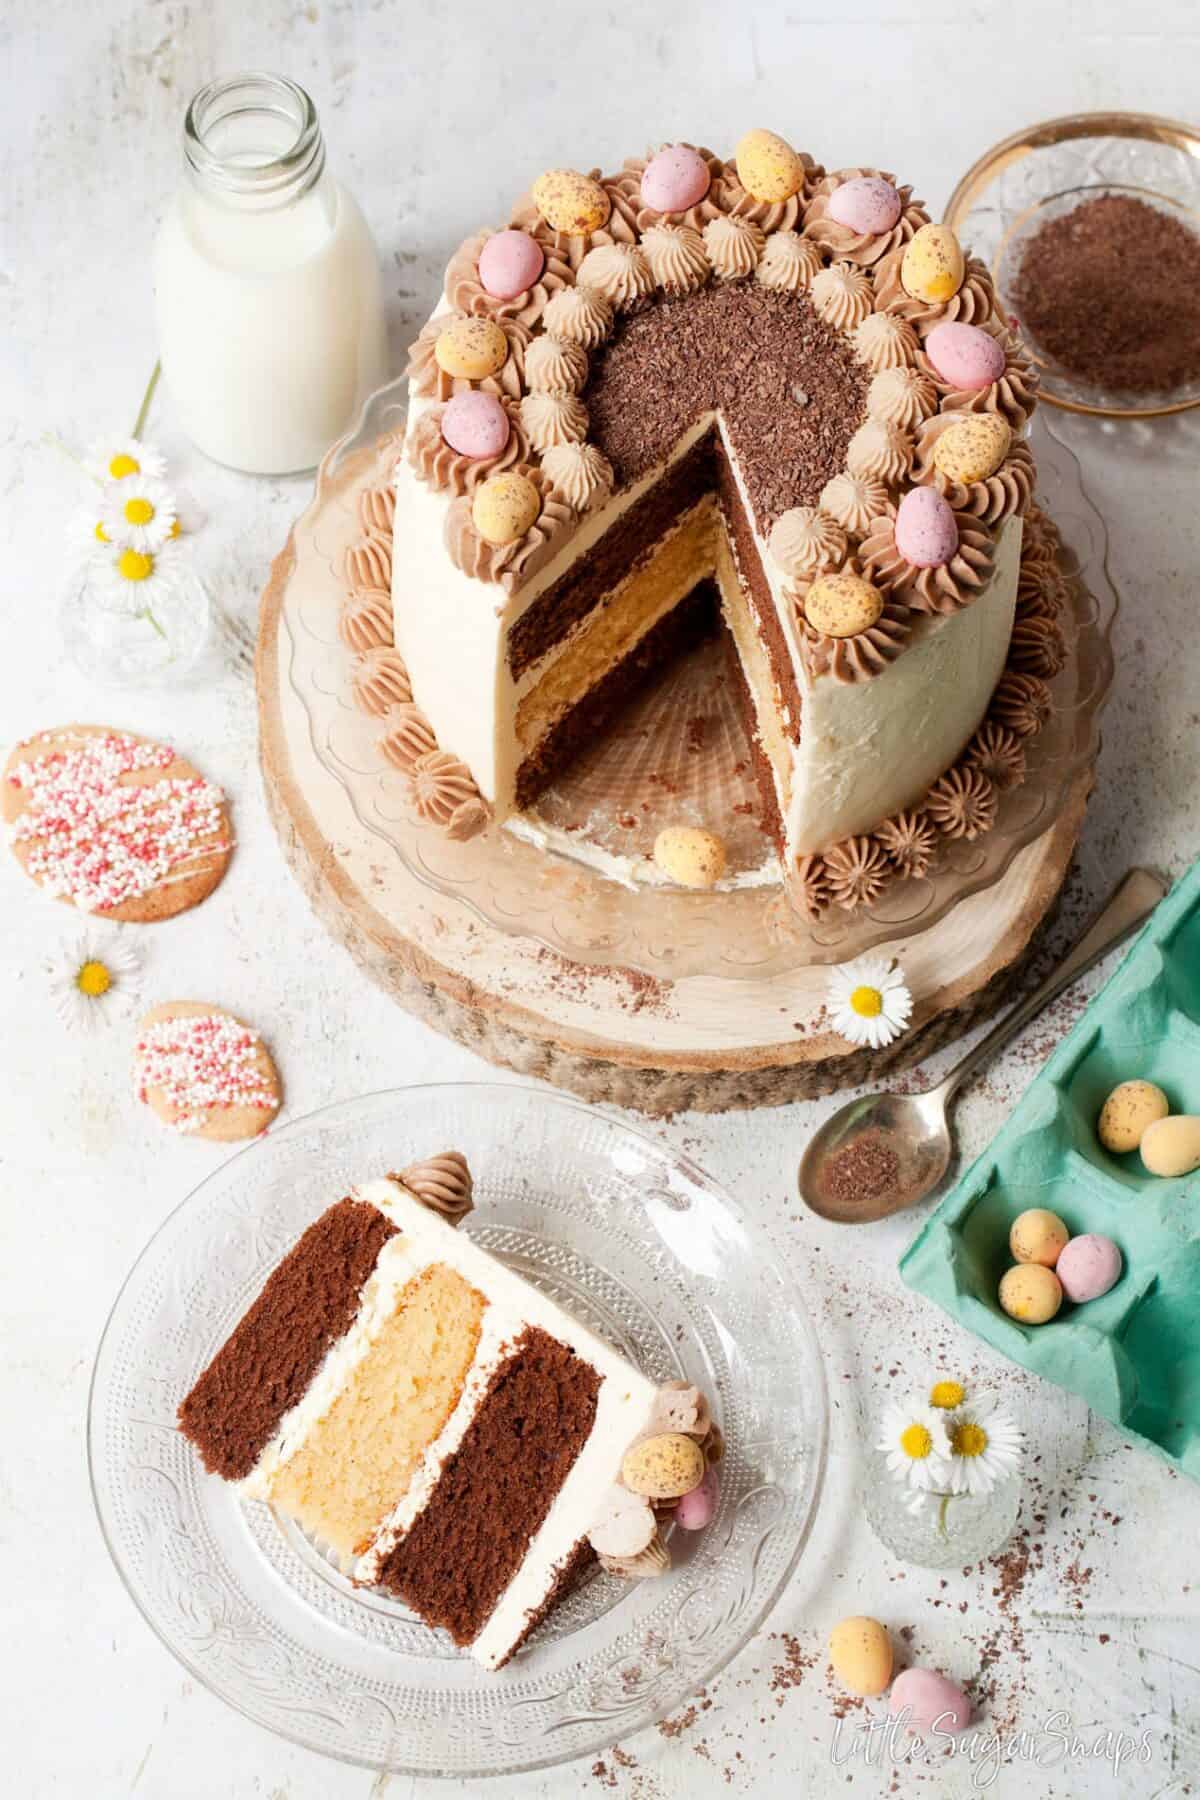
266, 280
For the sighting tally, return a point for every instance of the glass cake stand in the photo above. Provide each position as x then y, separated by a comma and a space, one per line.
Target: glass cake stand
642, 1247
681, 757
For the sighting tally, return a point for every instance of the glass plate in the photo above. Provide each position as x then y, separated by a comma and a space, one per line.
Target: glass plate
642, 1247
1046, 170
561, 899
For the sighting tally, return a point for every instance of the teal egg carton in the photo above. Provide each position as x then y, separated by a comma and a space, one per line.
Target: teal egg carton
1134, 1354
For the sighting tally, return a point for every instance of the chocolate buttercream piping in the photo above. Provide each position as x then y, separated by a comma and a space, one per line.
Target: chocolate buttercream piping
1037, 648
582, 474
377, 510
1013, 395
580, 315
625, 190
733, 247
369, 563
677, 258
859, 658
866, 248
886, 341
902, 396
435, 461
550, 419
996, 751
974, 303
619, 273
465, 291
554, 365
911, 841
842, 295
946, 589
769, 215
991, 501
380, 682
853, 501
789, 263
962, 802
508, 564
880, 451
857, 870
809, 886
365, 621
409, 737
567, 246
444, 793
428, 379
1022, 702
442, 1183
805, 541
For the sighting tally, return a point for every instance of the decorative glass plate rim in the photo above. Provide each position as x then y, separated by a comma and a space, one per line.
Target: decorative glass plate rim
970, 190
668, 1161
666, 934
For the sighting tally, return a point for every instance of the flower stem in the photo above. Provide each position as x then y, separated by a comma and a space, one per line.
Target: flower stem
56, 443
943, 1509
147, 397
148, 615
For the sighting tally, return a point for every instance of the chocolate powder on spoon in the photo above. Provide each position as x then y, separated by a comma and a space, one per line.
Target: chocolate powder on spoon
1111, 290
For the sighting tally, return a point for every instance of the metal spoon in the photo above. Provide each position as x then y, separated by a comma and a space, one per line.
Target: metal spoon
904, 1139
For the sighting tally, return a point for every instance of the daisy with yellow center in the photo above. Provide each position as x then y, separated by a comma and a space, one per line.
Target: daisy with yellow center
946, 1395
869, 1002
118, 459
985, 1446
94, 979
133, 581
916, 1444
139, 513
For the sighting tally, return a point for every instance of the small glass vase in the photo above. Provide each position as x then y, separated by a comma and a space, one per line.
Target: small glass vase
950, 1531
127, 646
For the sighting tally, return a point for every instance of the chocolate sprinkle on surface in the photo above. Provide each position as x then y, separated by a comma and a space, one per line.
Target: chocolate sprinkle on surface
744, 350
1111, 290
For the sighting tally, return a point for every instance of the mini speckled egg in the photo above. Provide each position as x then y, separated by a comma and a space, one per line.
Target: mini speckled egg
471, 349
571, 202
675, 178
925, 530
973, 448
968, 358
1037, 1236
768, 168
866, 203
475, 424
689, 855
509, 263
1172, 1146
504, 507
1031, 1293
696, 1509
842, 605
860, 1651
1128, 1112
930, 1700
932, 267
1088, 1267
664, 1467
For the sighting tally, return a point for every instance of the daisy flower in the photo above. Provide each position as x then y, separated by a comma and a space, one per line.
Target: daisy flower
87, 529
946, 1395
869, 1002
94, 979
114, 459
985, 1447
138, 511
134, 581
916, 1444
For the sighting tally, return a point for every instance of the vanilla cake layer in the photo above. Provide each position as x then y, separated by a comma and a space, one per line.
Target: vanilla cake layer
425, 1413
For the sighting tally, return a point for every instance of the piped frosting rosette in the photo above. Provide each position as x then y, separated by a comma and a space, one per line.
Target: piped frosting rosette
437, 462
990, 498
466, 293
852, 242
974, 303
1013, 394
940, 588
848, 628
600, 218
627, 197
511, 561
431, 379
733, 198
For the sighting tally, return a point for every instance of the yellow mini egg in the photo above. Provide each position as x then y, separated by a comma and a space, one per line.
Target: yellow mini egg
1126, 1114
768, 168
664, 1467
842, 605
1037, 1236
932, 267
504, 507
973, 448
861, 1653
471, 349
1172, 1146
1031, 1294
690, 856
571, 202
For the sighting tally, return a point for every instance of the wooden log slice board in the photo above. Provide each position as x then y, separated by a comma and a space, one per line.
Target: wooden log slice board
658, 1043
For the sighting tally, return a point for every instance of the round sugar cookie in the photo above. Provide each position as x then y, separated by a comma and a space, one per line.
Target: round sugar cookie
204, 1072
115, 824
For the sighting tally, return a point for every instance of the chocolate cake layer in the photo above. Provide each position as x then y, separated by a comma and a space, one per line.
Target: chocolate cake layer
790, 390
757, 591
610, 560
567, 1578
682, 627
266, 1364
494, 1491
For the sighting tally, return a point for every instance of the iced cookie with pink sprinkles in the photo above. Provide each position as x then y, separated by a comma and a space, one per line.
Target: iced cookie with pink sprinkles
115, 824
204, 1072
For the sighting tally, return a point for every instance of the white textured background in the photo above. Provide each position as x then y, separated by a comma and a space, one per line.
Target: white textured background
435, 115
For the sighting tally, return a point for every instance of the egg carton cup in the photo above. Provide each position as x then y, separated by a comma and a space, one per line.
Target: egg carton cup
1133, 1354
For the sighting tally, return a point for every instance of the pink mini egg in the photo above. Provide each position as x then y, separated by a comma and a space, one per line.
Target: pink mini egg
929, 1699
925, 530
475, 424
965, 356
1088, 1266
695, 1510
867, 204
510, 262
674, 179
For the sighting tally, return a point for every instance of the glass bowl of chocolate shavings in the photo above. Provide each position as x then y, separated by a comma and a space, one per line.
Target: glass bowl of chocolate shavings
1091, 226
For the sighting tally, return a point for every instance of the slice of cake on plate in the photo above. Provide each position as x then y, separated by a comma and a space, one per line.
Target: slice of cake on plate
436, 1424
